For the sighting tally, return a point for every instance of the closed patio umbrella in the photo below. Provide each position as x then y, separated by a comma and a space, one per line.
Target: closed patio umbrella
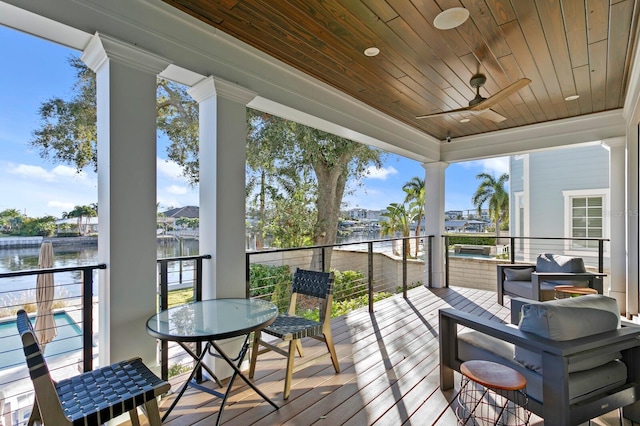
45, 326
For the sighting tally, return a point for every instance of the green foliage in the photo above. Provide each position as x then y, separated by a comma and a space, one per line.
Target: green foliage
348, 284
343, 307
471, 240
43, 226
11, 220
265, 280
177, 369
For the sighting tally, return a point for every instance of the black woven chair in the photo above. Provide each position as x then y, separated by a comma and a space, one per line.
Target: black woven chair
91, 398
291, 328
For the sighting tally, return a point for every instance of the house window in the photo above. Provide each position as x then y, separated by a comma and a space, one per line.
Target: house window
586, 220
585, 217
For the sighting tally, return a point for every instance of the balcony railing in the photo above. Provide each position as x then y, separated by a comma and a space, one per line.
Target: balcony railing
366, 270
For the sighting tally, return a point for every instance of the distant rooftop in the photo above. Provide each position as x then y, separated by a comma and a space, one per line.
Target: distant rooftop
187, 211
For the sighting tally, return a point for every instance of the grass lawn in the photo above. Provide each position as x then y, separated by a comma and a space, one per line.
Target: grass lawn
179, 297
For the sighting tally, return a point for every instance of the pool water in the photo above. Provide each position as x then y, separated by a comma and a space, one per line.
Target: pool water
68, 340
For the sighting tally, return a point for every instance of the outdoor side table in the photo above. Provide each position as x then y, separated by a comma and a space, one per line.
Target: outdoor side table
491, 394
564, 291
209, 321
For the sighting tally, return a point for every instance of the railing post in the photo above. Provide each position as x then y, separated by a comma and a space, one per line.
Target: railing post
370, 267
404, 267
164, 304
512, 249
323, 259
87, 319
430, 265
247, 275
600, 256
446, 261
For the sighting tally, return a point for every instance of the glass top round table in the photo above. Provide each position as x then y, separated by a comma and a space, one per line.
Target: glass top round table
213, 319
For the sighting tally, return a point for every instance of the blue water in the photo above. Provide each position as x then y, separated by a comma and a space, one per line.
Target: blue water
68, 340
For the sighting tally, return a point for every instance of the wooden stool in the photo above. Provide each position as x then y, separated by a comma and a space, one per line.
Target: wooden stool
491, 394
564, 291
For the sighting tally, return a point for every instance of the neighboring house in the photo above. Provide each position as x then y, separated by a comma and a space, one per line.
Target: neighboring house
463, 225
171, 216
361, 214
560, 192
70, 226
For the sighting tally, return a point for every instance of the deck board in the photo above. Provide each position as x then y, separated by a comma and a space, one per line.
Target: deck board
389, 370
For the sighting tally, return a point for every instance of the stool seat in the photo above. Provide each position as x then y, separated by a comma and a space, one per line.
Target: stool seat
493, 375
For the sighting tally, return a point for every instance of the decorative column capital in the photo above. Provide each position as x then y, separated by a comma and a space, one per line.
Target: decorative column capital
617, 142
103, 47
211, 86
442, 165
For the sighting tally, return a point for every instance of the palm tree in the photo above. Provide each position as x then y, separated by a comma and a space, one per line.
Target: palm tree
415, 196
398, 220
493, 192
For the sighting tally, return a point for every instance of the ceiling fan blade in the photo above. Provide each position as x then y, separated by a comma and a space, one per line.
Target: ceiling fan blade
440, 114
500, 95
491, 115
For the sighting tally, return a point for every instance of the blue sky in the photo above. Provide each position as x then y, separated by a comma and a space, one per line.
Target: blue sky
35, 70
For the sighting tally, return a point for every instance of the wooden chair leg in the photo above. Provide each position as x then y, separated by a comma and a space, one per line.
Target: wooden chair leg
254, 353
35, 414
287, 379
133, 416
299, 347
328, 340
153, 413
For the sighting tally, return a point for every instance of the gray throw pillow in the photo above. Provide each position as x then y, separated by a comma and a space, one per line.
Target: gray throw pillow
518, 274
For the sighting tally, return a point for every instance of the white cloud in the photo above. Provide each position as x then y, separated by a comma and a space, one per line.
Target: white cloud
493, 166
169, 168
497, 166
176, 190
31, 172
382, 174
66, 171
61, 205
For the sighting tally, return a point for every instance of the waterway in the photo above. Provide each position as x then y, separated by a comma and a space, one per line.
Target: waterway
22, 289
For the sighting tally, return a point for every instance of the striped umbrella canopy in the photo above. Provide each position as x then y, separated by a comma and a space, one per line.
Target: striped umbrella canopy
45, 326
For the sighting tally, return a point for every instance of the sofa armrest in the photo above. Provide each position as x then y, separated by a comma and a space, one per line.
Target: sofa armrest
500, 268
556, 355
594, 279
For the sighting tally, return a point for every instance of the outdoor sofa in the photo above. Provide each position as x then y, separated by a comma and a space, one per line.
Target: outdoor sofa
537, 282
579, 361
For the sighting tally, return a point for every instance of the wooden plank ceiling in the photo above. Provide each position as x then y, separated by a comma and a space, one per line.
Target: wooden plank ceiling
566, 47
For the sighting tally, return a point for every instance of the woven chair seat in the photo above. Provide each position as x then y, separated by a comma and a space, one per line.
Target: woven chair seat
289, 327
92, 398
108, 392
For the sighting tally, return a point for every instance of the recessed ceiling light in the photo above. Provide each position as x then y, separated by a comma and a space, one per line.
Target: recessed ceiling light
465, 120
371, 51
571, 98
451, 18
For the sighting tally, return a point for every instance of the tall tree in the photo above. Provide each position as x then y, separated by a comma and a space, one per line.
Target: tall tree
67, 131
415, 196
492, 191
68, 135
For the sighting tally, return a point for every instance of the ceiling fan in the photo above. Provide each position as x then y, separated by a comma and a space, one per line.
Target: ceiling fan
481, 105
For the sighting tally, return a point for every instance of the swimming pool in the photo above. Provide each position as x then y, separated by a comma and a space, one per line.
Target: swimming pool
68, 340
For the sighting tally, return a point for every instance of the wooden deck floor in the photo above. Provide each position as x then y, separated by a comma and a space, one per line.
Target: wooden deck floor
389, 362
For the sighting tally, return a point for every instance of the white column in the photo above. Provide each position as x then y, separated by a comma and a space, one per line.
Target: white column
632, 217
126, 126
434, 218
617, 221
223, 140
